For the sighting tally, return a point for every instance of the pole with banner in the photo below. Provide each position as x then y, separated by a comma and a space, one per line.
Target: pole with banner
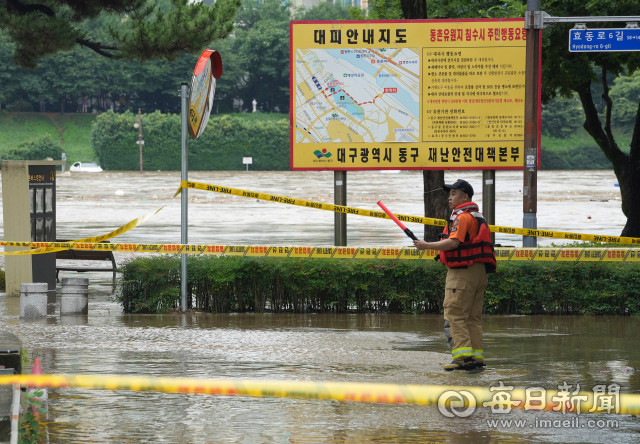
531, 123
196, 104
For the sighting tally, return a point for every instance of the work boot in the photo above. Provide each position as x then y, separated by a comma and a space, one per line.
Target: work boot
480, 365
467, 364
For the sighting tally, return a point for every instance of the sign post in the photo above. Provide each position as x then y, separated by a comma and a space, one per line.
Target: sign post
340, 198
531, 126
489, 199
247, 161
196, 105
184, 197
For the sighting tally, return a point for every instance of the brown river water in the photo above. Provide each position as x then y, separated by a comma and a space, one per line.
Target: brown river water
522, 351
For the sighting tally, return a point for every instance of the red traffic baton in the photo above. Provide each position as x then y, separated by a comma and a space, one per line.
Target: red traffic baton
407, 231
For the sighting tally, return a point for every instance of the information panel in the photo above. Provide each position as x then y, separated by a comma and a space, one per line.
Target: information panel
425, 94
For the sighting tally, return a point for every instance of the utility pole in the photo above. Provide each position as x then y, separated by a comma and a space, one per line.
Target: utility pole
533, 25
140, 141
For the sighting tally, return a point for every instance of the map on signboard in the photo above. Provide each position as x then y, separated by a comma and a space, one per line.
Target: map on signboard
357, 95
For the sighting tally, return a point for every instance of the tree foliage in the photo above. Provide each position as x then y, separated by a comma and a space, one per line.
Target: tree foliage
564, 73
625, 94
562, 116
139, 29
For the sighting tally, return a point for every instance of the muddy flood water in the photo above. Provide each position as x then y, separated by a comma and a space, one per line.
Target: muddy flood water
521, 351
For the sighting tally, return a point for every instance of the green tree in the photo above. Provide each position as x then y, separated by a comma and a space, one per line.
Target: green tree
378, 10
325, 10
564, 73
256, 57
562, 116
625, 94
143, 30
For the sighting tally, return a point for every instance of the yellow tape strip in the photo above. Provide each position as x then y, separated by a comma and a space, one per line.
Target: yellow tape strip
403, 217
502, 254
50, 249
625, 404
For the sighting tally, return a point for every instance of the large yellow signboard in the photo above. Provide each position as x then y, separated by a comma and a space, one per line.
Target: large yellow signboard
426, 94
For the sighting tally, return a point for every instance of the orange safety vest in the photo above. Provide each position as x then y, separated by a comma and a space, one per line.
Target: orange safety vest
478, 249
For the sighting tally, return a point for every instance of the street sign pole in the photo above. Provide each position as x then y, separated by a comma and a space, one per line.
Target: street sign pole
581, 39
340, 198
184, 97
489, 199
532, 91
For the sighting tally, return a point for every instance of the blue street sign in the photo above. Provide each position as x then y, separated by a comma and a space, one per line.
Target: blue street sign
604, 40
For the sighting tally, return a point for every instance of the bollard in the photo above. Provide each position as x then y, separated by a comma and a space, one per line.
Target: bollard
33, 300
74, 297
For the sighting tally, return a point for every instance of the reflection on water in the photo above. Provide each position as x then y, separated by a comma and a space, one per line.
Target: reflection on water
408, 349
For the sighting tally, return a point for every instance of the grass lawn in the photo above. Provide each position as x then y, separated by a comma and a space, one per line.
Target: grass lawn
73, 131
578, 152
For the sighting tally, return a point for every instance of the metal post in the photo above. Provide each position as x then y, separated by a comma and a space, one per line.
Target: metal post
340, 198
532, 87
140, 135
184, 97
489, 199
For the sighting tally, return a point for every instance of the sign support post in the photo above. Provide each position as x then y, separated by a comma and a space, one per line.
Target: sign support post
489, 199
531, 130
195, 103
340, 198
184, 202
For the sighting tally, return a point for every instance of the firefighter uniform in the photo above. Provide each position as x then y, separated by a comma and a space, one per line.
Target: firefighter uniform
465, 285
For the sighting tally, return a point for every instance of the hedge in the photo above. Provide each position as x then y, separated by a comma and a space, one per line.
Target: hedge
226, 140
237, 284
38, 148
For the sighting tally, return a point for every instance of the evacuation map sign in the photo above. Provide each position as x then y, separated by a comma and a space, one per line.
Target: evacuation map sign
427, 94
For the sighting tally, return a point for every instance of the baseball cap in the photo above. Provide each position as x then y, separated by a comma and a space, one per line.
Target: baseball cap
460, 184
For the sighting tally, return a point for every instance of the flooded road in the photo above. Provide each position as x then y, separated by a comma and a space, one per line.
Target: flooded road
90, 204
407, 349
522, 351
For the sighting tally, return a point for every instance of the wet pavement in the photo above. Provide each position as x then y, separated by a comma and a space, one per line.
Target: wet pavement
522, 351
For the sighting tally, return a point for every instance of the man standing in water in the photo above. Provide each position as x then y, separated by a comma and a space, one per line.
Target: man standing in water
467, 250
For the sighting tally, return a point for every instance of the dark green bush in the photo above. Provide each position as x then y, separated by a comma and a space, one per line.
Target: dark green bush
38, 148
20, 106
226, 140
2, 281
237, 284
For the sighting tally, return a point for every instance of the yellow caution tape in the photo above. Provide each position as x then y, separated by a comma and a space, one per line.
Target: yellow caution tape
504, 254
550, 400
50, 248
403, 217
